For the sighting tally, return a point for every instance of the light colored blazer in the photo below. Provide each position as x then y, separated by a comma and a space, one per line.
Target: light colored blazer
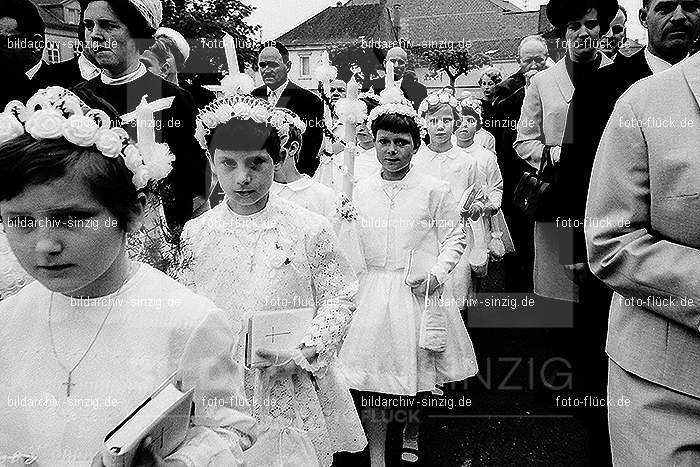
644, 235
543, 116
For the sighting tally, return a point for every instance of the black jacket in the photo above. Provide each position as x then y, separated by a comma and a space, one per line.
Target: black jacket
591, 107
309, 107
412, 89
65, 74
175, 126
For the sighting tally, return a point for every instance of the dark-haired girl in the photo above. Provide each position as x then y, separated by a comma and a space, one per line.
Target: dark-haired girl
256, 252
96, 333
400, 210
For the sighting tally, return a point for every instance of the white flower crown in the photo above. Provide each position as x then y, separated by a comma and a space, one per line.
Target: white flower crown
55, 113
436, 98
243, 107
471, 103
392, 101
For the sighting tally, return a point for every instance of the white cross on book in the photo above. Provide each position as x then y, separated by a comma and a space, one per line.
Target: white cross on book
276, 330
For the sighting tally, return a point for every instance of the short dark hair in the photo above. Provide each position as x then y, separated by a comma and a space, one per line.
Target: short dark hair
128, 14
284, 52
246, 135
29, 21
560, 12
397, 123
27, 162
466, 110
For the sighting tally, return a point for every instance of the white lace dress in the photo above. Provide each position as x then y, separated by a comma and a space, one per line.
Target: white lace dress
12, 276
279, 258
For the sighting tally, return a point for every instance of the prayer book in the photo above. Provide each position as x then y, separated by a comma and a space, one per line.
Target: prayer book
276, 330
164, 416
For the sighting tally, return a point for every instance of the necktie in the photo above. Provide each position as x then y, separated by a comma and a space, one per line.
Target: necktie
272, 98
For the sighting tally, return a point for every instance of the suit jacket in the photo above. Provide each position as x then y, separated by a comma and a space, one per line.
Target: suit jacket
65, 74
542, 122
590, 109
413, 90
645, 244
309, 107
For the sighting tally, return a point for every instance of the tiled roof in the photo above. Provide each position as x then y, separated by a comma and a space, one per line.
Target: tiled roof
51, 19
344, 24
481, 23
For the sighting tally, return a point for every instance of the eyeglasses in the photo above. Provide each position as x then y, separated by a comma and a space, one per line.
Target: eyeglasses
617, 28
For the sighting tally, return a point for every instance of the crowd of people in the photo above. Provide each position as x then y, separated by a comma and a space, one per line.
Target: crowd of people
146, 219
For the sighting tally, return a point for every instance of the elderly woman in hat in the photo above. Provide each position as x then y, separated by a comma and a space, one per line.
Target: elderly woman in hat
117, 31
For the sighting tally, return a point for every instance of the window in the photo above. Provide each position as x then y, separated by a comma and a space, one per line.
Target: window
53, 51
72, 16
305, 65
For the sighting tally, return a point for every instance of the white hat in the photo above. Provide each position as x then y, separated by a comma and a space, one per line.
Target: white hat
178, 39
151, 10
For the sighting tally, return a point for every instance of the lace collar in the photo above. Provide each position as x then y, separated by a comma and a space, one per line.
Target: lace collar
409, 181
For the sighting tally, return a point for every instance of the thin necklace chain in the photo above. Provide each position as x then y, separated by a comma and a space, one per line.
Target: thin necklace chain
94, 339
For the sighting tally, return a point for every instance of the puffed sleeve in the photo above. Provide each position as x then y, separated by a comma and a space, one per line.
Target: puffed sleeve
494, 181
335, 286
453, 240
623, 251
529, 142
221, 427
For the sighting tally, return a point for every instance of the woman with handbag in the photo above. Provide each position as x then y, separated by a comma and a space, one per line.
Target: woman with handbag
543, 121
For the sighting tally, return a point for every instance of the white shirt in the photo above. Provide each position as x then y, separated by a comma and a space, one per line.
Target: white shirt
453, 166
33, 70
274, 96
156, 327
487, 172
657, 64
309, 194
88, 70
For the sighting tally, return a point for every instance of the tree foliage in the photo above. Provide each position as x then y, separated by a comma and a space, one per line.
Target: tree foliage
203, 23
453, 61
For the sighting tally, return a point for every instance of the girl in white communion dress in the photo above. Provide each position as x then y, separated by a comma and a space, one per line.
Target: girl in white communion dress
86, 343
256, 252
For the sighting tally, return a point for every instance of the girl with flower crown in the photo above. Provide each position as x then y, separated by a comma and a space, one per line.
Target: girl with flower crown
491, 236
96, 333
411, 237
442, 159
256, 252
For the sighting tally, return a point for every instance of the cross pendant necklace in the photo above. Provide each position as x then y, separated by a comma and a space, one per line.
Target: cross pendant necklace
392, 198
69, 382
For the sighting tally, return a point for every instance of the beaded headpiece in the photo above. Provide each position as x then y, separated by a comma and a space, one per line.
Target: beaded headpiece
55, 113
471, 104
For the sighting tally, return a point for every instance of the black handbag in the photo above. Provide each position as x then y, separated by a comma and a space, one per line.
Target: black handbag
534, 193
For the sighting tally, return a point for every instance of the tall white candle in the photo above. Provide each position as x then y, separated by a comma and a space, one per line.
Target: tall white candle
231, 54
389, 78
350, 139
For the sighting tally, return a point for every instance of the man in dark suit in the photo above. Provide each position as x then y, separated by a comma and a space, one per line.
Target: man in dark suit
412, 89
274, 65
21, 48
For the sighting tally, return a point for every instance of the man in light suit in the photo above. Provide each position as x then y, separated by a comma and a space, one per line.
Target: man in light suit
274, 65
643, 241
